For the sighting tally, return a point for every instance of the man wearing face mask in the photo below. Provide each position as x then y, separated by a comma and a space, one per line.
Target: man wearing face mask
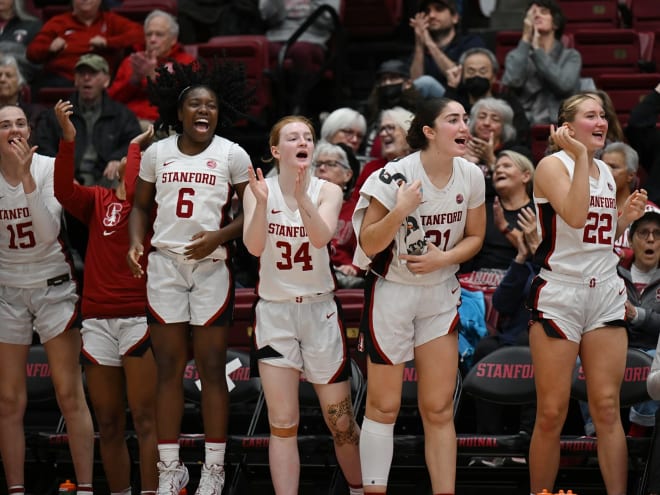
438, 41
473, 78
395, 88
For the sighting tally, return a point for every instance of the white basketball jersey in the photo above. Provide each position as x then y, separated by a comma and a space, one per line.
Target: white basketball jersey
26, 259
586, 252
290, 266
193, 193
440, 217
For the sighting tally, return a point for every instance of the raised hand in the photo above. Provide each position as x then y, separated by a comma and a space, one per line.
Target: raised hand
63, 112
258, 185
302, 181
563, 137
635, 205
144, 139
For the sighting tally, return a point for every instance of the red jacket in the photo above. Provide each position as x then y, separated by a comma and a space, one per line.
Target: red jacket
120, 33
134, 96
109, 288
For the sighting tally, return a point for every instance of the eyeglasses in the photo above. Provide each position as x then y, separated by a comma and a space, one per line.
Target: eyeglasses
329, 164
387, 129
352, 133
644, 233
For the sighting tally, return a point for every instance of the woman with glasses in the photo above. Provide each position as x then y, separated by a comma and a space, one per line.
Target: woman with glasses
344, 125
577, 300
330, 162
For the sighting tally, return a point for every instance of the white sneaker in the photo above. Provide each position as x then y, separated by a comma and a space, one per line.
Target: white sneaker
212, 480
172, 478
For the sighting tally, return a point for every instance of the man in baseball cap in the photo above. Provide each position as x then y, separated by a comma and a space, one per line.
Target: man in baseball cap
95, 62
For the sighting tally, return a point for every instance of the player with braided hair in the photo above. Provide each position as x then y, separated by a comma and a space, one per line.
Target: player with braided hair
192, 176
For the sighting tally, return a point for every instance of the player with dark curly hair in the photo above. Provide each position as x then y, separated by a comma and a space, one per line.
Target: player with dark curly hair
192, 176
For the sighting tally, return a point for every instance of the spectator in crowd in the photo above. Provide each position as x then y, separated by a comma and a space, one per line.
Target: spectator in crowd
474, 77
104, 127
331, 163
344, 125
129, 86
653, 387
307, 54
511, 182
64, 38
540, 71
119, 364
577, 300
18, 29
412, 294
438, 41
491, 131
624, 163
12, 88
39, 297
191, 175
644, 136
295, 290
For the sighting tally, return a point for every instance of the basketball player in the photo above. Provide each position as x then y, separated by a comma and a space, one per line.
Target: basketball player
416, 221
116, 350
578, 300
37, 293
289, 221
192, 176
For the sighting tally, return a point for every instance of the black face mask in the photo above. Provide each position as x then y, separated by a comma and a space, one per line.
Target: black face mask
389, 96
476, 86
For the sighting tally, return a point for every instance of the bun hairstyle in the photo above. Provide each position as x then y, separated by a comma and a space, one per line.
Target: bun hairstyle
425, 116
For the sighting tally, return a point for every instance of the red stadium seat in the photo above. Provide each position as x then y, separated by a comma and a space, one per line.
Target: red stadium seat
582, 14
252, 52
607, 50
626, 90
372, 18
645, 15
540, 134
137, 10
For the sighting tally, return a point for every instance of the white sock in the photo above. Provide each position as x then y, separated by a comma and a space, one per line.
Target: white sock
376, 450
357, 490
215, 453
16, 490
168, 452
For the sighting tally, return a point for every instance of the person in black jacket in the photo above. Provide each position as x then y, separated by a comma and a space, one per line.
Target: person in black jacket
643, 135
104, 127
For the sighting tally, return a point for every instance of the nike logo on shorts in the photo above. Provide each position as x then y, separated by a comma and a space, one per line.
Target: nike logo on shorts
329, 315
622, 291
453, 291
275, 212
106, 233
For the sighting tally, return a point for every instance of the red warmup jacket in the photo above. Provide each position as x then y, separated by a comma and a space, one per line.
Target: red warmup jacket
109, 289
134, 96
120, 33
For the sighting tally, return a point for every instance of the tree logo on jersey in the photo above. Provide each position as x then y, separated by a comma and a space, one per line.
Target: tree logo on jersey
610, 186
211, 164
387, 178
459, 198
112, 215
657, 295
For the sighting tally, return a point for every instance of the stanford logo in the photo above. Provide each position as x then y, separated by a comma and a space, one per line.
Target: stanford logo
211, 164
459, 199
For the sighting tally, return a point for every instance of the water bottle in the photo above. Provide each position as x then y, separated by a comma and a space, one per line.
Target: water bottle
67, 488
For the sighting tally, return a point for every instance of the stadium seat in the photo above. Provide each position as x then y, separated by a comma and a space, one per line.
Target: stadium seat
137, 10
252, 52
540, 134
581, 14
626, 90
645, 15
607, 51
368, 19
